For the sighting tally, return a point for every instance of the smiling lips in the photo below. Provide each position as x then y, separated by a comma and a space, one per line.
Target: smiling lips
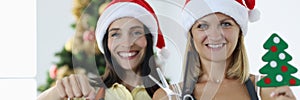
215, 46
128, 54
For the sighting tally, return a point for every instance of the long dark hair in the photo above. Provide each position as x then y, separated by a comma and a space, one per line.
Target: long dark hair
111, 75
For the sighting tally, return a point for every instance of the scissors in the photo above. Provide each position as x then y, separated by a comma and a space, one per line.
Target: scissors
164, 85
190, 76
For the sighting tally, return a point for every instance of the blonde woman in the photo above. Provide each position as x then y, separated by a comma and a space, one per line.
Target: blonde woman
216, 31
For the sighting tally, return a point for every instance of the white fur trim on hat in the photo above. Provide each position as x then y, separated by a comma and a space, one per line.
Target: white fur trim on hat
124, 9
196, 9
162, 55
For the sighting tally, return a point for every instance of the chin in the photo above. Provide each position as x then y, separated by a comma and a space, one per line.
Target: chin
128, 66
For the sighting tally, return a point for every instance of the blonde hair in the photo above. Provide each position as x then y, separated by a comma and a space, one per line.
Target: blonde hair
238, 67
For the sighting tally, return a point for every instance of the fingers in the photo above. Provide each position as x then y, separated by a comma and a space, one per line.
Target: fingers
60, 89
68, 87
85, 85
74, 86
91, 95
283, 93
283, 98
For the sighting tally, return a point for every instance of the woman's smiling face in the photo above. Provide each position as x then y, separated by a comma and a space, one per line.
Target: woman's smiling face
127, 42
215, 36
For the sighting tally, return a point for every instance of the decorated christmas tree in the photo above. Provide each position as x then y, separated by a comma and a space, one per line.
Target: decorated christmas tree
279, 71
80, 54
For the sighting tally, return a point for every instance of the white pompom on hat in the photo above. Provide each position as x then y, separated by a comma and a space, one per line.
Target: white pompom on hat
241, 11
138, 9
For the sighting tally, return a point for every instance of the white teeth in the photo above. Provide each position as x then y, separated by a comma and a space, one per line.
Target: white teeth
127, 54
215, 45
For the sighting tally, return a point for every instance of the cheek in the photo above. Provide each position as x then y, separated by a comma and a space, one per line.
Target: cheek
232, 37
141, 42
110, 44
197, 40
198, 37
198, 45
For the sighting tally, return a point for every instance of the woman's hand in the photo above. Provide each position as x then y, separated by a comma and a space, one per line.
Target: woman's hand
75, 85
282, 93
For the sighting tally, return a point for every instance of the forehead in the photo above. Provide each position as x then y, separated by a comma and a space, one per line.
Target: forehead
216, 17
125, 22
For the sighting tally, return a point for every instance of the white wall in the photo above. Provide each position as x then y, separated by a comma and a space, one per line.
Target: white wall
276, 16
18, 50
282, 18
54, 18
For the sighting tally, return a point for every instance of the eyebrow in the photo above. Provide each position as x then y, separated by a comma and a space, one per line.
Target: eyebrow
134, 27
114, 29
198, 21
226, 19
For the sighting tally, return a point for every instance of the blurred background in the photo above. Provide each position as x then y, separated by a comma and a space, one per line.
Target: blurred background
45, 29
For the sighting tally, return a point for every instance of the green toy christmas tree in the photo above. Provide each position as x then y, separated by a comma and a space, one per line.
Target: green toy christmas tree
278, 69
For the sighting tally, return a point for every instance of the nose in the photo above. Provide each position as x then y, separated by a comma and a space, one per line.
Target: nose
214, 34
127, 41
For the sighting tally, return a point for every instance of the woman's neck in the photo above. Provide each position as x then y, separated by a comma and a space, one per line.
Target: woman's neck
131, 79
213, 70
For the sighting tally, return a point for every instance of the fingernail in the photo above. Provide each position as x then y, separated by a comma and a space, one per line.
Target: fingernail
272, 94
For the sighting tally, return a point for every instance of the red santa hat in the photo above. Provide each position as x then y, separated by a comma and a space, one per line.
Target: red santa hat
138, 9
241, 11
